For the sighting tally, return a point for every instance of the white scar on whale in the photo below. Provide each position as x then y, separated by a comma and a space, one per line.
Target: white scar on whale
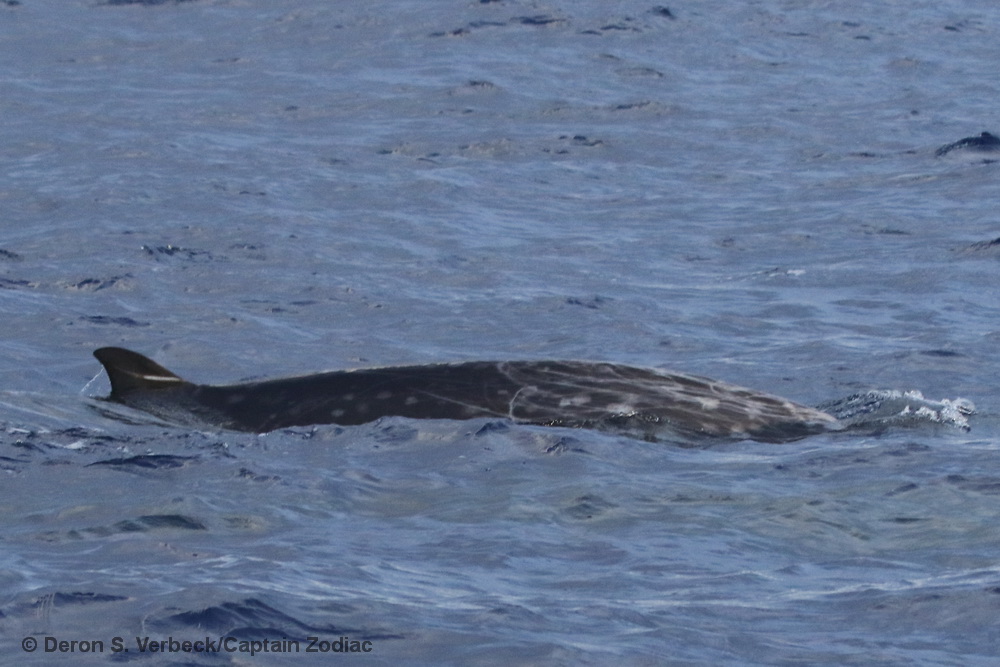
646, 403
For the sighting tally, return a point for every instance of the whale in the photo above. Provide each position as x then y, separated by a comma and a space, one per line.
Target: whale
985, 142
645, 403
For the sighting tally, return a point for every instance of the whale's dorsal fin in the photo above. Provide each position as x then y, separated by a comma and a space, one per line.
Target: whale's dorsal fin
131, 372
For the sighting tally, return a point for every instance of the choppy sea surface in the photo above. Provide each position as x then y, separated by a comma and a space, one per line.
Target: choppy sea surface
749, 191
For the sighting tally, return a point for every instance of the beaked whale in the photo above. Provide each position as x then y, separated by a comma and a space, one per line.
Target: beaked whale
641, 402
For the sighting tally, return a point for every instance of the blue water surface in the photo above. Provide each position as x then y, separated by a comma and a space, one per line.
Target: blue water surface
749, 191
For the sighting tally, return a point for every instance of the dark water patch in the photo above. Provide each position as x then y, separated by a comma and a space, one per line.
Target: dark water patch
98, 284
814, 466
623, 26
253, 619
568, 142
905, 488
633, 105
246, 473
26, 446
395, 434
85, 285
987, 244
497, 426
941, 353
145, 3
46, 602
241, 523
8, 464
59, 599
581, 140
8, 256
459, 32
238, 190
537, 19
8, 283
592, 303
141, 524
171, 250
628, 24
41, 441
564, 445
872, 230
588, 507
907, 449
126, 526
987, 486
510, 614
989, 248
411, 151
482, 84
250, 250
80, 432
484, 24
710, 498
118, 321
265, 306
149, 462
177, 521
964, 24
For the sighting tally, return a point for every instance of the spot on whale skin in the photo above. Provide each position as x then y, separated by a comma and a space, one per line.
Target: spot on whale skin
582, 399
708, 403
236, 399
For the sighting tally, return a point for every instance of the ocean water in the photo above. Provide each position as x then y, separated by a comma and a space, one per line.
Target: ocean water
749, 191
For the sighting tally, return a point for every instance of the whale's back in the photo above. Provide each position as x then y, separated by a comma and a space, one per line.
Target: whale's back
642, 402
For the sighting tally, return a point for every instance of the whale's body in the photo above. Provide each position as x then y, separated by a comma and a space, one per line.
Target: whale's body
639, 401
983, 143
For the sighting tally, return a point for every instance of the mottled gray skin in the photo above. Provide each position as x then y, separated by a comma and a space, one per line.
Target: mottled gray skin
641, 402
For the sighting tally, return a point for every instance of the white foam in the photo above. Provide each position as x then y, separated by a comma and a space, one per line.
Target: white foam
891, 406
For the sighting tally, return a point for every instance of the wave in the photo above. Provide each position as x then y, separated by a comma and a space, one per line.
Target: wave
892, 407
